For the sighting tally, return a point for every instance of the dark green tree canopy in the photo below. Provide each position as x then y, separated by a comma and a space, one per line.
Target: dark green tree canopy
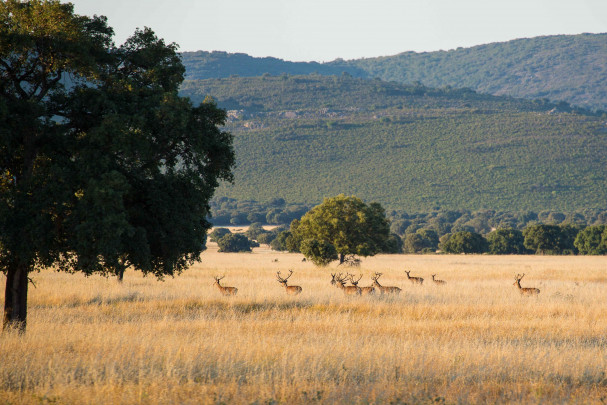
321, 253
218, 233
103, 165
347, 223
465, 242
592, 240
235, 242
506, 241
550, 239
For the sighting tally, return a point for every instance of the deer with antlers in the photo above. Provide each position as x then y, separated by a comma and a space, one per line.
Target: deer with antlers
224, 290
363, 290
524, 291
438, 282
291, 289
382, 289
339, 281
414, 280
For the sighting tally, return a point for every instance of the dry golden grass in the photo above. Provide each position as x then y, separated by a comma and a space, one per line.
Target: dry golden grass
474, 340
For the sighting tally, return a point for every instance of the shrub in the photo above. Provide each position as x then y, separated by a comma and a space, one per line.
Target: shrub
218, 233
235, 242
465, 242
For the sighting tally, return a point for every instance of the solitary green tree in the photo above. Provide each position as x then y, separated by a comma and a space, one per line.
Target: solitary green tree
347, 223
102, 164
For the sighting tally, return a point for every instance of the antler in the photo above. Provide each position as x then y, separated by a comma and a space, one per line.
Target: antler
218, 279
283, 280
352, 279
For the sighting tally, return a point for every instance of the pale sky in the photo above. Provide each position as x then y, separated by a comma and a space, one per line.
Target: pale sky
324, 30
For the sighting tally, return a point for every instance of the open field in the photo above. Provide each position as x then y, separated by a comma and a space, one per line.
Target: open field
475, 340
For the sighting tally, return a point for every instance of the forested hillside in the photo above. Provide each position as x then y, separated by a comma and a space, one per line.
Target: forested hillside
567, 68
410, 148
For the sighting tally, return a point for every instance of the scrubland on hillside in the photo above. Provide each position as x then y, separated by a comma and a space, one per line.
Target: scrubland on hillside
474, 340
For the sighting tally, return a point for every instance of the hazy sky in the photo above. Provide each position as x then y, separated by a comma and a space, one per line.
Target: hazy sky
323, 30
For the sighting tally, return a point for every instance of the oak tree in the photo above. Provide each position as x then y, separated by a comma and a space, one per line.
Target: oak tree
347, 223
103, 165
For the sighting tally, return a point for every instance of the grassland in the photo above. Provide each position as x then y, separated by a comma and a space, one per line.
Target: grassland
475, 340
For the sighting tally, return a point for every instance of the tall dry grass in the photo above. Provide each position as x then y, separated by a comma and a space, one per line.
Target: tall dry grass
474, 340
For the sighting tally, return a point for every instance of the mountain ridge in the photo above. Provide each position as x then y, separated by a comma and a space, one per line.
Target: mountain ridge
567, 68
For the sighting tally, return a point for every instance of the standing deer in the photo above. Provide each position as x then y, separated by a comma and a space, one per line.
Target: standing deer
414, 280
382, 289
340, 282
363, 290
438, 282
291, 289
224, 290
524, 291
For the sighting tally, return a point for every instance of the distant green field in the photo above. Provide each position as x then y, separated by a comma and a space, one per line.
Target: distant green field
411, 148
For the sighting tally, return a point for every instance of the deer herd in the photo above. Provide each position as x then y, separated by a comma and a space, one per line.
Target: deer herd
339, 281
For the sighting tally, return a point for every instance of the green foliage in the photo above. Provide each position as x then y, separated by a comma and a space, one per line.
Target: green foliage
230, 211
109, 167
465, 242
425, 240
218, 233
453, 149
350, 225
266, 238
255, 230
235, 242
506, 241
592, 240
551, 239
285, 241
321, 253
394, 244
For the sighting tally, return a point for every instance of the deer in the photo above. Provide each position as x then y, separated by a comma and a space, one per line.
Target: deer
382, 289
524, 291
363, 290
224, 290
414, 280
340, 282
291, 289
438, 282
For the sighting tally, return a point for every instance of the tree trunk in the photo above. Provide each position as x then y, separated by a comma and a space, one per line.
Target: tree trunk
120, 275
15, 297
342, 258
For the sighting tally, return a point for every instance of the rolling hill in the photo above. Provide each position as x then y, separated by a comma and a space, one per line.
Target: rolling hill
567, 68
409, 147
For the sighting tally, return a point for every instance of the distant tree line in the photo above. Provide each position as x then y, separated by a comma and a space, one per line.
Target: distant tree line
228, 211
462, 231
